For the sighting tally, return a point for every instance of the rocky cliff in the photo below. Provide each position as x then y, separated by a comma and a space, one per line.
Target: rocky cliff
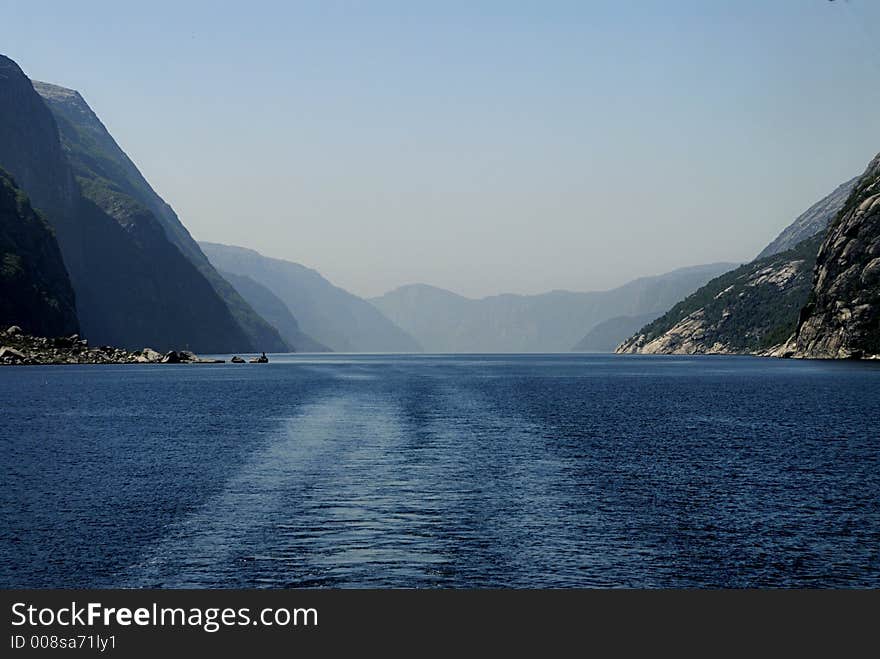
35, 290
841, 318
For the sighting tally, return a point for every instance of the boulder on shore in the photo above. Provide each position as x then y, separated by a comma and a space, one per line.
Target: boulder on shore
171, 357
11, 354
149, 356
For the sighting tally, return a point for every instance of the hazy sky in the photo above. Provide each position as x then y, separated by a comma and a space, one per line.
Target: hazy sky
483, 147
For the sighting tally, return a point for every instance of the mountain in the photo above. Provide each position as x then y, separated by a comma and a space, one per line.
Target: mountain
109, 178
607, 335
812, 221
750, 309
334, 317
827, 296
35, 290
842, 315
270, 307
133, 287
442, 321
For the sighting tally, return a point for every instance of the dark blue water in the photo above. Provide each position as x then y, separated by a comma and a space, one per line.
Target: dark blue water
425, 471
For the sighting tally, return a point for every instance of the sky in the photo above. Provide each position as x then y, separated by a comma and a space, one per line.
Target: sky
483, 147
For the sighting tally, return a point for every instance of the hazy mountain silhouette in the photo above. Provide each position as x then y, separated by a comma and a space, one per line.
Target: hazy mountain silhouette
334, 317
442, 321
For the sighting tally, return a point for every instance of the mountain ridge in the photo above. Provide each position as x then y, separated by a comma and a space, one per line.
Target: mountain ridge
133, 287
327, 313
108, 174
751, 309
767, 307
555, 321
273, 309
812, 221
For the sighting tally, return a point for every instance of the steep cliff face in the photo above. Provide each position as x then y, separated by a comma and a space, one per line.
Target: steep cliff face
29, 146
35, 291
748, 310
110, 178
133, 287
842, 316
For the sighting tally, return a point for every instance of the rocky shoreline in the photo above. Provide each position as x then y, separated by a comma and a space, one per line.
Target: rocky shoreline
18, 348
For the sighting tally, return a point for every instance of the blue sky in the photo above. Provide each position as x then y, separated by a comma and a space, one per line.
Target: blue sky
484, 147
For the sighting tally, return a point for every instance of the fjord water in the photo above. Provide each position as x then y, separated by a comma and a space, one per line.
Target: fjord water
451, 471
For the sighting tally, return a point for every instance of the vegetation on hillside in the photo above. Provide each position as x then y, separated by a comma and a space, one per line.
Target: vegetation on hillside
35, 291
748, 309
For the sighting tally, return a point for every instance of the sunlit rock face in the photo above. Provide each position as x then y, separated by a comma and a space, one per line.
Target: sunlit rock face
842, 316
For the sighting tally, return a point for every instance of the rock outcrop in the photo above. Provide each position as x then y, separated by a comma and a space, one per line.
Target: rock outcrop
20, 349
842, 316
35, 290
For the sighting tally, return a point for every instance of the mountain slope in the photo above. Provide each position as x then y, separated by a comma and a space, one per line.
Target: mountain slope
133, 288
442, 321
109, 177
35, 290
842, 316
270, 307
334, 317
757, 308
750, 309
607, 335
812, 221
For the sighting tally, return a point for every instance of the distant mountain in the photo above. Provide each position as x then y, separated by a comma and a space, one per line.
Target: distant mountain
751, 309
270, 307
607, 335
334, 317
109, 178
811, 222
442, 321
35, 290
841, 318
